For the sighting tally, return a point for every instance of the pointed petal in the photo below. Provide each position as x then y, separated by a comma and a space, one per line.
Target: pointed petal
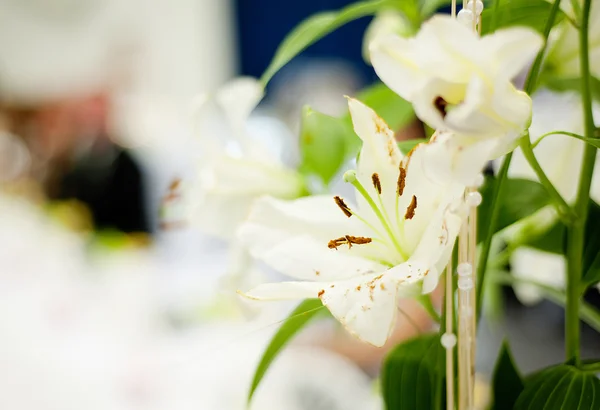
394, 61
367, 305
379, 158
513, 48
238, 99
285, 291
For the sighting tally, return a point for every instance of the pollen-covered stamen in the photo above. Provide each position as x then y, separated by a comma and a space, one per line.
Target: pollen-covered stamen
376, 182
410, 210
348, 240
342, 205
401, 181
350, 176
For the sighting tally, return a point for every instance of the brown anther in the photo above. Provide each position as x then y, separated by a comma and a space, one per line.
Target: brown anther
440, 104
358, 288
321, 293
332, 286
382, 286
345, 209
410, 211
334, 243
401, 181
317, 273
348, 240
376, 182
358, 240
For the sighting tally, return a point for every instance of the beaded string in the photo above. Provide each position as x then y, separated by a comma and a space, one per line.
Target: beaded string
470, 16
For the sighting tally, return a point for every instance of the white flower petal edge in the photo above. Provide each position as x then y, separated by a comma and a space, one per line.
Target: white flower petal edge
542, 267
227, 184
360, 259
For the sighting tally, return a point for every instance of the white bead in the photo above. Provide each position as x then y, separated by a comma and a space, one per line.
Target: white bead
478, 181
465, 283
448, 340
465, 16
478, 6
464, 269
474, 198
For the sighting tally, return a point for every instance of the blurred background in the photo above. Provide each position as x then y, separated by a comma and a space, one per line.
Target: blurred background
102, 304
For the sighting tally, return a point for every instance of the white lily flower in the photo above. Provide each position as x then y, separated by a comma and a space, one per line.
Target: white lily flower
460, 84
563, 58
229, 181
359, 259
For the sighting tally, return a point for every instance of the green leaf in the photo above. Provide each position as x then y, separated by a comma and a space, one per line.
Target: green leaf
520, 198
293, 324
561, 387
529, 13
395, 111
323, 144
408, 145
431, 6
316, 27
413, 374
507, 382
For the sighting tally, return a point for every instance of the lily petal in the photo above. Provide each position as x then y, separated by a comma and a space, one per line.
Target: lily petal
512, 49
292, 237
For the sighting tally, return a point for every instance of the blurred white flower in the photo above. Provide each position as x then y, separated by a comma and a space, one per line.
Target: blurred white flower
384, 24
460, 84
81, 332
560, 158
563, 57
232, 174
538, 266
360, 259
558, 155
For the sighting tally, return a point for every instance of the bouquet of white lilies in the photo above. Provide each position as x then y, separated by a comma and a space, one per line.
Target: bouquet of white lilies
502, 191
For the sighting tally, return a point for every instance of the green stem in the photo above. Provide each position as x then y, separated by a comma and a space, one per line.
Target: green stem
567, 133
564, 210
576, 232
493, 222
530, 83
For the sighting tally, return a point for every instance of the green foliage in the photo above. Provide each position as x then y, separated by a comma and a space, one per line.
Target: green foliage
413, 375
529, 13
560, 387
520, 198
507, 383
324, 142
406, 146
293, 324
316, 27
428, 7
395, 111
